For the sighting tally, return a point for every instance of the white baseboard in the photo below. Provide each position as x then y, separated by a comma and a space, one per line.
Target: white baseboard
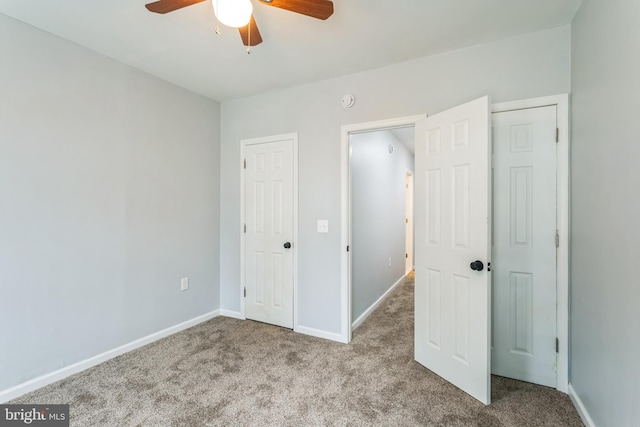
582, 411
319, 333
41, 381
231, 313
375, 305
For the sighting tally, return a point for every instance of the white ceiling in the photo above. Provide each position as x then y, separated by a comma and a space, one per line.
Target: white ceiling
182, 47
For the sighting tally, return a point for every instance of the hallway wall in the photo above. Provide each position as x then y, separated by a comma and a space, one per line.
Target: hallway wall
378, 213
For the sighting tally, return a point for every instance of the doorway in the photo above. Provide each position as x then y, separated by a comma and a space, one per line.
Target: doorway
524, 245
562, 214
521, 123
269, 229
379, 161
346, 219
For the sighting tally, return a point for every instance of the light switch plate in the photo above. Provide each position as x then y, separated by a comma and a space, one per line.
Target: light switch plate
323, 226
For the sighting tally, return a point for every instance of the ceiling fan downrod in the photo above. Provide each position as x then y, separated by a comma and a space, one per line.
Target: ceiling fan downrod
249, 38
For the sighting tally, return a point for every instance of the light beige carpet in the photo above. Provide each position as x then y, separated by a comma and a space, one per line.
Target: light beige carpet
228, 372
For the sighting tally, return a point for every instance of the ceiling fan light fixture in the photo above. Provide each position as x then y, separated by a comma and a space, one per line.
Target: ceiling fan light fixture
233, 13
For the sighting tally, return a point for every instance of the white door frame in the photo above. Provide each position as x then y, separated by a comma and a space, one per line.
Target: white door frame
345, 223
264, 140
562, 104
562, 220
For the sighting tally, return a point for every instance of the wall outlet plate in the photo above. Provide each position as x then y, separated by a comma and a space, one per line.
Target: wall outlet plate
323, 226
184, 284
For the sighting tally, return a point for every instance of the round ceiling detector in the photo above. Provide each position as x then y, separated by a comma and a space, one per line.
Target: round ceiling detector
348, 100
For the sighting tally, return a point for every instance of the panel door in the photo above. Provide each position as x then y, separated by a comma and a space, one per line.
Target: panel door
452, 211
524, 250
269, 232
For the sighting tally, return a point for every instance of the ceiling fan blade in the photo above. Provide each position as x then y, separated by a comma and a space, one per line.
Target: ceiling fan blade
321, 9
256, 38
165, 6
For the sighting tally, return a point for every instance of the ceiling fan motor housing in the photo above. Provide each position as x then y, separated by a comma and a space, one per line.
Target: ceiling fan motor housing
319, 9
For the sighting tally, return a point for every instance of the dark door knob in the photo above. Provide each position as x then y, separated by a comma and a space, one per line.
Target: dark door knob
477, 266
287, 245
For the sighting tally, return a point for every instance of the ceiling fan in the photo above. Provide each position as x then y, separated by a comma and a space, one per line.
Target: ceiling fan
320, 9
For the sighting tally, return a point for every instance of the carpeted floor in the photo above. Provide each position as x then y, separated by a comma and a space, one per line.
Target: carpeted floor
228, 372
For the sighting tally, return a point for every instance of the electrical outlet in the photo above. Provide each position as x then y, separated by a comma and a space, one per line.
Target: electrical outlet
323, 226
389, 261
184, 284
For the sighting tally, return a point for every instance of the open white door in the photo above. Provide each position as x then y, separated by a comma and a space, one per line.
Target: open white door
452, 211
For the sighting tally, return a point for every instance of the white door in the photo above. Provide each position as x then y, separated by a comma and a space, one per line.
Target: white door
269, 219
524, 249
408, 267
452, 211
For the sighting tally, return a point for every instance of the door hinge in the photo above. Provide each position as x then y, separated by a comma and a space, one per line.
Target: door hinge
245, 228
406, 220
406, 256
557, 345
245, 292
557, 239
245, 163
347, 248
557, 135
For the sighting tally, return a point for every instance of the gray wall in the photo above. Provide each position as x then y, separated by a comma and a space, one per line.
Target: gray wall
527, 66
605, 248
378, 212
109, 185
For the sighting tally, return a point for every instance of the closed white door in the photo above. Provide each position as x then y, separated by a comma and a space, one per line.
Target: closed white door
452, 211
269, 219
408, 267
524, 248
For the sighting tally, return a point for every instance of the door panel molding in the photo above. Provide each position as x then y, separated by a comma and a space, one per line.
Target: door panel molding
244, 143
524, 257
562, 219
452, 301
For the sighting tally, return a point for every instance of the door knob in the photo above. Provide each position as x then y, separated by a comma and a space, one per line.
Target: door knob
287, 245
477, 266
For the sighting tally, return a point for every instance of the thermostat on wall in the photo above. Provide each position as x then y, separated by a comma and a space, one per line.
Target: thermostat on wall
348, 100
